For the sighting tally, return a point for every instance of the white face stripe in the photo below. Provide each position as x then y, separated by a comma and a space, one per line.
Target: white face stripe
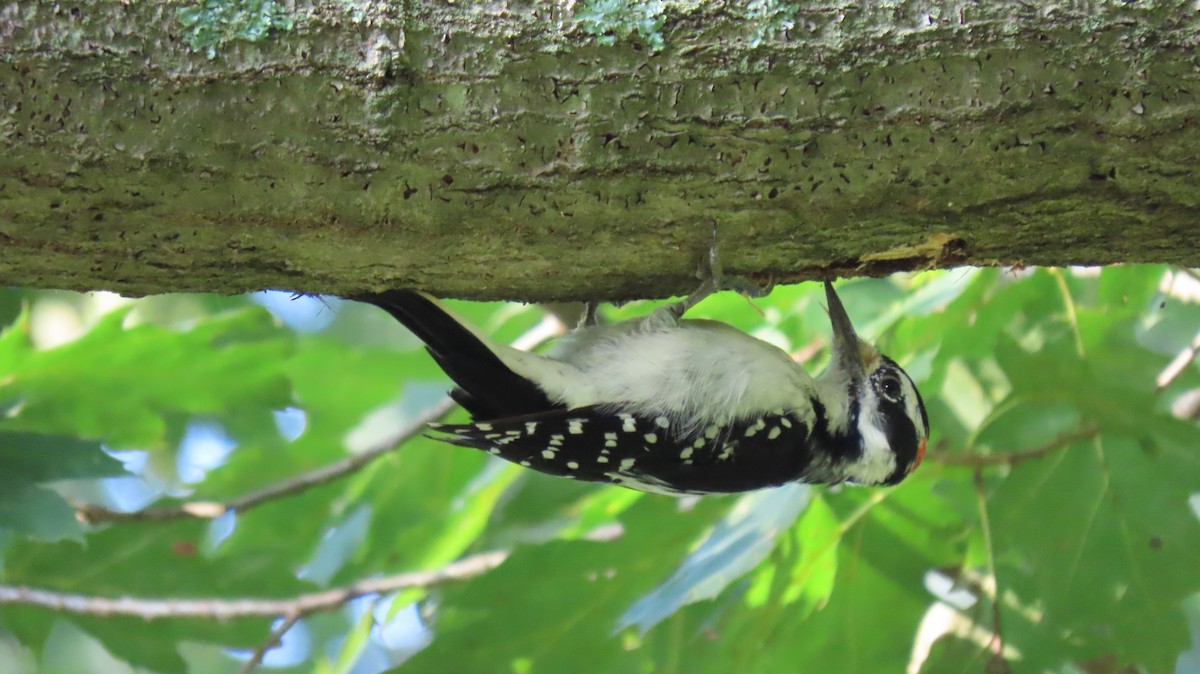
912, 409
878, 461
911, 404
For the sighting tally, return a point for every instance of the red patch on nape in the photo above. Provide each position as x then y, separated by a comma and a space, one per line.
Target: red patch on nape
920, 454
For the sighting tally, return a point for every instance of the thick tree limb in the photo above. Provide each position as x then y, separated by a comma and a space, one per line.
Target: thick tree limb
499, 150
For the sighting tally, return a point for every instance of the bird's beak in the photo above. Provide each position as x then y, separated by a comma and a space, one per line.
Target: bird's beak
850, 354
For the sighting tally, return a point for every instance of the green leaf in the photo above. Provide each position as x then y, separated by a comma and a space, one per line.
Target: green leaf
147, 561
161, 561
29, 459
1100, 538
953, 655
120, 383
36, 512
809, 581
558, 603
40, 457
1094, 545
736, 545
862, 607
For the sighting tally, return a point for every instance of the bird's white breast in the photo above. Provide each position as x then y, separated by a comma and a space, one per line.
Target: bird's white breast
690, 371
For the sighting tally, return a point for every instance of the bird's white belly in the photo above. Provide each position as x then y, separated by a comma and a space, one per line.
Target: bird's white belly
696, 370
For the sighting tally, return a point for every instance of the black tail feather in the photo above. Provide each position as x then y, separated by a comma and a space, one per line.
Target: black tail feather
487, 388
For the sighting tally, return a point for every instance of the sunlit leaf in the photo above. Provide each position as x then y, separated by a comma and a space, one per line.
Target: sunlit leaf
117, 383
40, 457
1094, 542
559, 602
31, 459
735, 546
1098, 538
36, 512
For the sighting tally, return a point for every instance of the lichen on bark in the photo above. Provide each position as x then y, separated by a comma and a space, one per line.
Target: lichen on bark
500, 150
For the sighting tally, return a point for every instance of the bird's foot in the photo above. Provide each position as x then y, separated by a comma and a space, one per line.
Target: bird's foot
712, 279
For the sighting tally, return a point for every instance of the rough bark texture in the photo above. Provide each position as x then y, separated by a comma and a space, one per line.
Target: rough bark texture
501, 150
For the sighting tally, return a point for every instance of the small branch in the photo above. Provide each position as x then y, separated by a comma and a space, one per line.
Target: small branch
996, 644
809, 351
1178, 364
95, 514
228, 609
276, 637
975, 460
1187, 406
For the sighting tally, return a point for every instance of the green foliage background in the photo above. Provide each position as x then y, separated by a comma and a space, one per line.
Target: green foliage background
1087, 557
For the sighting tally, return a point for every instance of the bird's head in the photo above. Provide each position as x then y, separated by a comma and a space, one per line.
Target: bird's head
874, 402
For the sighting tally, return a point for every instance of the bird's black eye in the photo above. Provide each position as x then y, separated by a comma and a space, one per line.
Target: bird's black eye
889, 387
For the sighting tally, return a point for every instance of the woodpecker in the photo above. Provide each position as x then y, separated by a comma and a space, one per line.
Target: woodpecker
669, 405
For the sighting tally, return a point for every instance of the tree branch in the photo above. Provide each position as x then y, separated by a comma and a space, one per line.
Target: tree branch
94, 514
276, 637
780, 136
996, 643
977, 460
1178, 364
228, 609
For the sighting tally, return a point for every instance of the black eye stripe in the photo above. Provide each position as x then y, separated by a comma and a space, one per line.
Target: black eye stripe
890, 370
902, 437
897, 425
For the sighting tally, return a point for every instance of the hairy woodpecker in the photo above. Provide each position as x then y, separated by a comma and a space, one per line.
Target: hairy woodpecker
672, 406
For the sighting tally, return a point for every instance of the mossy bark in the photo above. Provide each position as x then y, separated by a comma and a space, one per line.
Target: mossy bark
500, 150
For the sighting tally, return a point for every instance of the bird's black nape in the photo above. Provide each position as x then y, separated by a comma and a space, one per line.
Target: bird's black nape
487, 388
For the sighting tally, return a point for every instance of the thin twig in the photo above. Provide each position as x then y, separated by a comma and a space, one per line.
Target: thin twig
275, 638
809, 351
1178, 364
1069, 306
997, 641
94, 514
1187, 405
975, 460
228, 609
